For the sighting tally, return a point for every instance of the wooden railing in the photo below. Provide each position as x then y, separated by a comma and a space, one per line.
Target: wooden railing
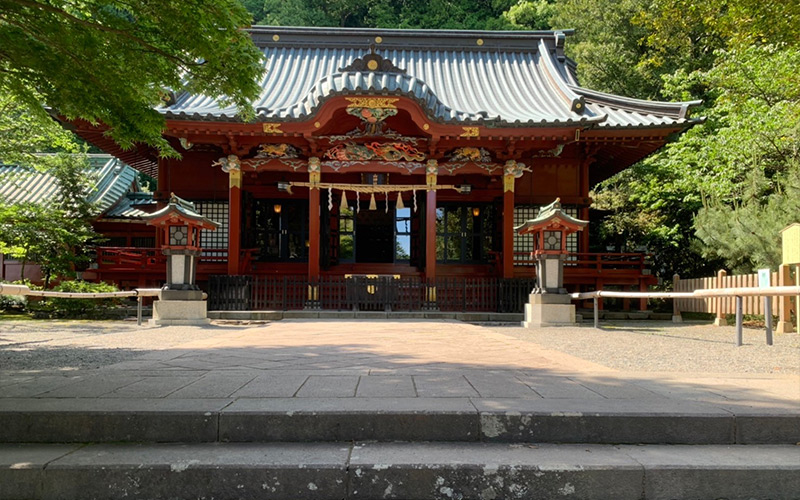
131, 258
597, 261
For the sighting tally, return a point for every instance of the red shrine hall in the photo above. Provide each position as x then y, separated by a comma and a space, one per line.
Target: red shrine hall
388, 169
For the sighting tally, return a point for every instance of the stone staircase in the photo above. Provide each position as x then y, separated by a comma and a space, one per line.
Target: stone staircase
406, 448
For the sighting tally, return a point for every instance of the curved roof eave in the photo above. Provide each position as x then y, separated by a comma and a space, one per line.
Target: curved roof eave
679, 109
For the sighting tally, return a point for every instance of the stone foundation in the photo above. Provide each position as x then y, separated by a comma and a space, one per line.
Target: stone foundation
179, 312
549, 310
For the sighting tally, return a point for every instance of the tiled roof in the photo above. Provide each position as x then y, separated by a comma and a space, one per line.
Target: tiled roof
506, 79
111, 181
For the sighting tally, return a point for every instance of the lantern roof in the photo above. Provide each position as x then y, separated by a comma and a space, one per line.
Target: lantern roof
180, 210
549, 215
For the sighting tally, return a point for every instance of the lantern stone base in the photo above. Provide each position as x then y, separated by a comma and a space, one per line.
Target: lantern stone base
549, 309
179, 312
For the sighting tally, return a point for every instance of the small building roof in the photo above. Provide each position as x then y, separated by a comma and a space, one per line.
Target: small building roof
111, 181
503, 79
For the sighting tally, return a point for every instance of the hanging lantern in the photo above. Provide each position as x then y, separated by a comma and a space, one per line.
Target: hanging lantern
372, 204
343, 206
400, 205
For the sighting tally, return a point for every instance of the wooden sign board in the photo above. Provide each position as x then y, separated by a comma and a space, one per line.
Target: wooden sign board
791, 244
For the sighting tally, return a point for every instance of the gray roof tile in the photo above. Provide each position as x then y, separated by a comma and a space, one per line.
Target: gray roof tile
512, 79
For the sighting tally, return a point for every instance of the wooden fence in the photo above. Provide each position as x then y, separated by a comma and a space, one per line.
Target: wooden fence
782, 307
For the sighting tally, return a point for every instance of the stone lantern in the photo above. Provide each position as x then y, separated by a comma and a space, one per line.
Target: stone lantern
180, 300
549, 303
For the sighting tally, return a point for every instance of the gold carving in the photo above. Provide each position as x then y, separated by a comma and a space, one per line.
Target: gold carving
275, 38
317, 124
272, 128
235, 177
314, 172
470, 132
431, 171
425, 126
508, 183
479, 41
372, 65
372, 102
378, 39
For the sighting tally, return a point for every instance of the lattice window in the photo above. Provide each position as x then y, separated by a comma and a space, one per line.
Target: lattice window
143, 242
524, 243
218, 212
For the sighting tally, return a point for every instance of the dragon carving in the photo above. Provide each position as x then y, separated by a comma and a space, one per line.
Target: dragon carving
393, 151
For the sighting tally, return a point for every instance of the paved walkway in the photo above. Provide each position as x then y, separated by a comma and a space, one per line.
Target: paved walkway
388, 359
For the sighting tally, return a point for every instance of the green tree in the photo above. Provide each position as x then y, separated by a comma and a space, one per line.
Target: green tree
51, 233
531, 14
112, 62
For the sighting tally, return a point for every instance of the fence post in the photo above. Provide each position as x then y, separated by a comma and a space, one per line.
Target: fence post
739, 317
676, 308
785, 302
720, 319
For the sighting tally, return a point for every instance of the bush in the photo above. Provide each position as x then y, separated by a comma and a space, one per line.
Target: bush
76, 308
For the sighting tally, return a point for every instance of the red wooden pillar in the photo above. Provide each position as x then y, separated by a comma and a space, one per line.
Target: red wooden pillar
313, 219
584, 211
642, 302
234, 220
430, 221
508, 226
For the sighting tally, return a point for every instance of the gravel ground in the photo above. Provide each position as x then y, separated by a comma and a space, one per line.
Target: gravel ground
655, 346
643, 346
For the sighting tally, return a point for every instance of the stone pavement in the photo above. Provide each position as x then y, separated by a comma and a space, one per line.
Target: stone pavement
488, 385
384, 359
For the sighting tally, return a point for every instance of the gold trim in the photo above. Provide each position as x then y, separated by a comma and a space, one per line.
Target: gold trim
235, 178
471, 132
275, 38
431, 294
508, 183
426, 127
272, 128
372, 65
479, 41
317, 124
378, 39
372, 102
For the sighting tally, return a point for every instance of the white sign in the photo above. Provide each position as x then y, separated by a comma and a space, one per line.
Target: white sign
764, 276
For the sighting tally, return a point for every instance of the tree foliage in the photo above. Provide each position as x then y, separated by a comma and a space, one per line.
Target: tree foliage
112, 61
52, 232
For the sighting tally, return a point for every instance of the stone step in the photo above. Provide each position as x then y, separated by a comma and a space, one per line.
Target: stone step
398, 470
601, 421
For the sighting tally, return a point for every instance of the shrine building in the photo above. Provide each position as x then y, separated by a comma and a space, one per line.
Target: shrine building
407, 156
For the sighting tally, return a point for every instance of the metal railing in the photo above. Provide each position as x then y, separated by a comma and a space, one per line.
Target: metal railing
368, 293
737, 293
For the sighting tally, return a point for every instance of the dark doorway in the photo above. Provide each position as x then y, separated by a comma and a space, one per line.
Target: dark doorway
375, 236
